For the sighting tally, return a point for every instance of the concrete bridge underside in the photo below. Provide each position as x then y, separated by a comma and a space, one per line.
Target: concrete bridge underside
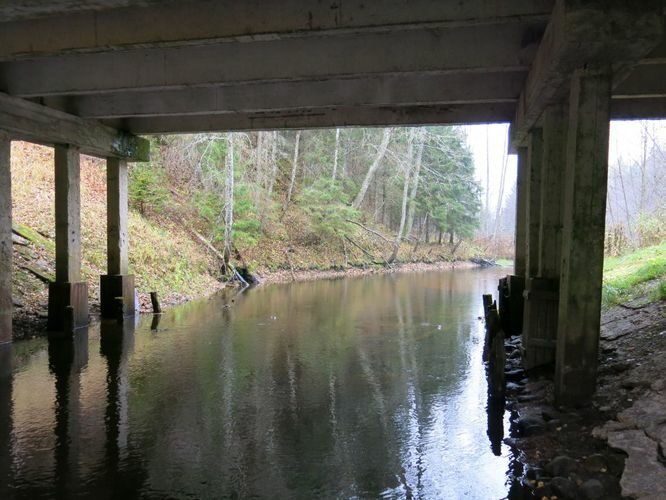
90, 76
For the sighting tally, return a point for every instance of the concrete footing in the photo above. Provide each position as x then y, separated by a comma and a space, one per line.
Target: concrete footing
117, 295
540, 322
68, 306
511, 304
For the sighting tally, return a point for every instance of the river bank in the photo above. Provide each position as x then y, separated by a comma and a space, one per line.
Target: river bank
614, 447
287, 276
30, 314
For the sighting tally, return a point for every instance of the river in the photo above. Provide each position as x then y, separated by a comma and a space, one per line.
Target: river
370, 387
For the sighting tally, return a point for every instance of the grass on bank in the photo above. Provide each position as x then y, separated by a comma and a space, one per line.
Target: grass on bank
639, 274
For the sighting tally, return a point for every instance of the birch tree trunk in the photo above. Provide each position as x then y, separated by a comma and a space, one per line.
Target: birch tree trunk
420, 144
294, 166
336, 153
274, 149
381, 151
228, 199
405, 195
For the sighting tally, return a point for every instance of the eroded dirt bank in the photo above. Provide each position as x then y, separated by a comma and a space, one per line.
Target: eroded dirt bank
614, 448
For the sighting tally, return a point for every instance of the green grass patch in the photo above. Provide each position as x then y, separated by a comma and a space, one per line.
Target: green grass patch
634, 275
504, 262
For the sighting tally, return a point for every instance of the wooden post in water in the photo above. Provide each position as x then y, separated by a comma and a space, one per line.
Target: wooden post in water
155, 302
493, 351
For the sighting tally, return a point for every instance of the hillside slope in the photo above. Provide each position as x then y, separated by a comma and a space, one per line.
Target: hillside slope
165, 254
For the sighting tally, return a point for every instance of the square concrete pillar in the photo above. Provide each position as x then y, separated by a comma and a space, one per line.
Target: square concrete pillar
68, 295
117, 287
5, 239
519, 266
584, 213
542, 286
532, 201
552, 191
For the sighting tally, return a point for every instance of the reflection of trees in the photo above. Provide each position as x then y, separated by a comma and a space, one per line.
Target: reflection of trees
67, 358
6, 425
332, 388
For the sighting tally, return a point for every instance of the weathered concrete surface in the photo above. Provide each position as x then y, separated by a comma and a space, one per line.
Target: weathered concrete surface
68, 214
552, 191
533, 194
68, 296
583, 236
579, 32
6, 306
68, 307
113, 287
520, 259
30, 121
116, 216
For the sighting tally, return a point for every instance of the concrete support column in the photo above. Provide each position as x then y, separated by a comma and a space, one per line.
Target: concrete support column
521, 211
552, 191
533, 201
544, 247
117, 287
68, 295
5, 239
583, 236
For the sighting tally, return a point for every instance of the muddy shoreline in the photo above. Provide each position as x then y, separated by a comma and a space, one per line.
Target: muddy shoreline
30, 319
612, 448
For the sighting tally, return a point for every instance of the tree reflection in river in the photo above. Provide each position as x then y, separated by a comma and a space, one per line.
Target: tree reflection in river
363, 387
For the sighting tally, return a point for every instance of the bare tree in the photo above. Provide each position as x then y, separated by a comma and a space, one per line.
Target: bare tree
420, 141
405, 194
228, 198
294, 166
336, 152
274, 159
381, 151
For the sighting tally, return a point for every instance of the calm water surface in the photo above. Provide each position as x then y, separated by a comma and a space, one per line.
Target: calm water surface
357, 388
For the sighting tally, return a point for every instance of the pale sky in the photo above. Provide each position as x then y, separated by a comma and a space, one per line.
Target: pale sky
625, 143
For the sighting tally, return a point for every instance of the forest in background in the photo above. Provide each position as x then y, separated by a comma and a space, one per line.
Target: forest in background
315, 200
246, 193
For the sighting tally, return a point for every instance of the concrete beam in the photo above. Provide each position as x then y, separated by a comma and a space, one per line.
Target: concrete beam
117, 216
583, 236
533, 201
68, 214
182, 23
638, 109
6, 304
645, 81
552, 187
520, 252
321, 118
32, 122
477, 49
581, 32
375, 91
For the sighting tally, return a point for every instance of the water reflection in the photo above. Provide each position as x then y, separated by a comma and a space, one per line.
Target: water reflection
368, 387
67, 358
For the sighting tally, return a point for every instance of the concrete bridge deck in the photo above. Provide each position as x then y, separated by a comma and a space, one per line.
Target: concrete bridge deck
91, 75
